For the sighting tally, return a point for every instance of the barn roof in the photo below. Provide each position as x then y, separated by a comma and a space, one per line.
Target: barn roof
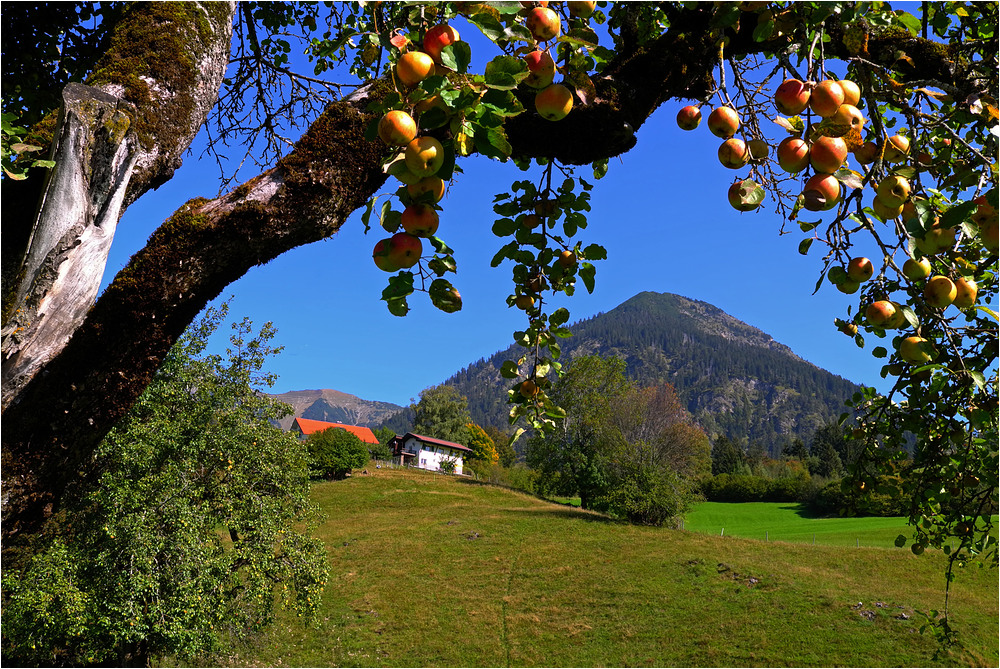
308, 426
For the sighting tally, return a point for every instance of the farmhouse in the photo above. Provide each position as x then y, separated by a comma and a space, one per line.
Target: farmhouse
305, 426
426, 452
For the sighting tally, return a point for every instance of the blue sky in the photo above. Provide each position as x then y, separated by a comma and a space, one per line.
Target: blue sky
661, 212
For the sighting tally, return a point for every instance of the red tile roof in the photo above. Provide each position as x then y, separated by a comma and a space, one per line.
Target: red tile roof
437, 442
307, 426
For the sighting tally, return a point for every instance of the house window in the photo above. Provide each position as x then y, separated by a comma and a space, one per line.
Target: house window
423, 461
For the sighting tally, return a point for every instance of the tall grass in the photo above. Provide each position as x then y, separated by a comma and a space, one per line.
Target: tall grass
428, 570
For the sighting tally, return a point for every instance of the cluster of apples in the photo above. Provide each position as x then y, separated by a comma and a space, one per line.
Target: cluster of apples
419, 162
553, 101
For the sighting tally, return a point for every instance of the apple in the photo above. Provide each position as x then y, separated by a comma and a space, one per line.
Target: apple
397, 128
567, 258
424, 156
554, 102
723, 122
381, 256
917, 270
793, 154
826, 98
438, 38
915, 350
866, 153
528, 388
758, 149
428, 103
827, 186
827, 154
420, 220
897, 320
849, 329
893, 191
984, 213
940, 291
880, 313
917, 549
547, 208
734, 154
524, 302
989, 235
860, 269
689, 117
849, 286
543, 24
936, 239
852, 92
413, 67
581, 9
741, 190
541, 68
404, 250
791, 97
965, 293
847, 118
433, 185
884, 211
531, 221
896, 149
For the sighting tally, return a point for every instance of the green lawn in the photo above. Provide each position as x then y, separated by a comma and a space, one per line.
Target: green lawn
787, 521
430, 570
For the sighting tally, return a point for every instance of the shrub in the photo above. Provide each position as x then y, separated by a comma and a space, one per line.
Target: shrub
334, 452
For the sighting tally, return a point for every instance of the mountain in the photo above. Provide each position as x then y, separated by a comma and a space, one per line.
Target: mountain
335, 407
735, 379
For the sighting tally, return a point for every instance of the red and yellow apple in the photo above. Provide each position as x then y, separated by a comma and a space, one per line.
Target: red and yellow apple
581, 9
541, 69
739, 191
893, 191
413, 67
965, 293
791, 97
852, 92
424, 156
554, 102
734, 153
860, 269
420, 220
543, 24
847, 118
915, 350
689, 117
896, 149
940, 291
866, 153
884, 211
433, 185
723, 122
397, 128
793, 154
437, 38
826, 98
827, 187
880, 313
827, 154
917, 270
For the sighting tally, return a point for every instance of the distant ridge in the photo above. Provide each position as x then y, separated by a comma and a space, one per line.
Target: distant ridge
735, 379
334, 406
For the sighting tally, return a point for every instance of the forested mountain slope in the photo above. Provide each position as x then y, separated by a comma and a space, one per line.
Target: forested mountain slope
735, 379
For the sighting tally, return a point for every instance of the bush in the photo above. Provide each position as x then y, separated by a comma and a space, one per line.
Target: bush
748, 488
649, 496
334, 452
518, 477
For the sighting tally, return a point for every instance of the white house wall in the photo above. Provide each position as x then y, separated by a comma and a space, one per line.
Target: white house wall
430, 456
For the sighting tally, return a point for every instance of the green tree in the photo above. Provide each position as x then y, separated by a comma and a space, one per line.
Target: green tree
381, 451
198, 522
442, 413
574, 460
506, 455
824, 459
796, 449
334, 452
482, 445
727, 458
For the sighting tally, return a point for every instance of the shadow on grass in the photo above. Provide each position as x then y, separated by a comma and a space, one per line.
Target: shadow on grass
556, 508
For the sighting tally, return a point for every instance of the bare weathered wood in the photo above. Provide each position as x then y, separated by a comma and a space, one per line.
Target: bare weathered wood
95, 151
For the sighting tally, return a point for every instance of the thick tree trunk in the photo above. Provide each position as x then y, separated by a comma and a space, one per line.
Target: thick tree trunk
95, 151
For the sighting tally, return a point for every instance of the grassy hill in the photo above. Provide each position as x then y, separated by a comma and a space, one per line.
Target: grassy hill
430, 570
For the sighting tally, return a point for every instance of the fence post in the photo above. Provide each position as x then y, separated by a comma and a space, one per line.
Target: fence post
765, 535
723, 532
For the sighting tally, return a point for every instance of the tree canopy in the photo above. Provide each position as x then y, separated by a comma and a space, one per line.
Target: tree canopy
912, 95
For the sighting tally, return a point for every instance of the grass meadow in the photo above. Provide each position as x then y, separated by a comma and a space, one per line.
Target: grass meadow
431, 570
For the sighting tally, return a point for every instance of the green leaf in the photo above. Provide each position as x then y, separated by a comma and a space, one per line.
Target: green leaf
502, 102
805, 244
457, 56
505, 72
508, 370
492, 142
488, 25
444, 296
849, 178
958, 214
911, 22
763, 31
880, 352
595, 252
582, 37
587, 274
900, 541
600, 168
504, 227
559, 316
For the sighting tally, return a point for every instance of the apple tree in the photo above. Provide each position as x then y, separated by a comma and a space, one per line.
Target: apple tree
886, 164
